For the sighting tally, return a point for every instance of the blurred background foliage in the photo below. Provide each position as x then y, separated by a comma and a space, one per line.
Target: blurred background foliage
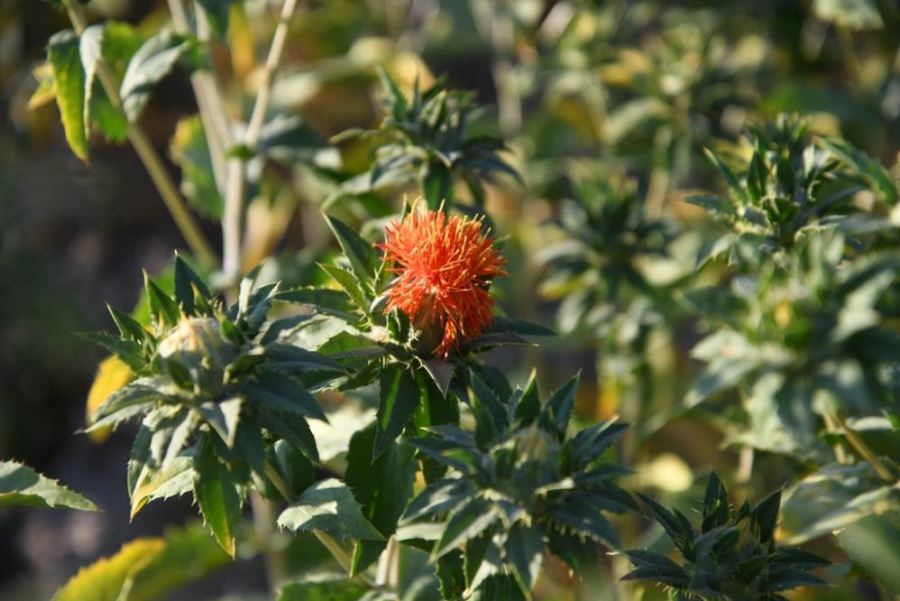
608, 111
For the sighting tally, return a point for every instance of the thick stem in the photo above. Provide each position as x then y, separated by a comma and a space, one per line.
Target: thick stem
860, 446
183, 218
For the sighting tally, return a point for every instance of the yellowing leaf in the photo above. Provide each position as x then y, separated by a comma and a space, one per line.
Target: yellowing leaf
112, 374
104, 579
46, 90
65, 61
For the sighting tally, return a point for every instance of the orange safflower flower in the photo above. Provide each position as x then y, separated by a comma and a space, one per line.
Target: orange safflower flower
444, 267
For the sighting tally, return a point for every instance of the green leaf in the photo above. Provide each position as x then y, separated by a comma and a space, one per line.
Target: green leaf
282, 393
330, 506
323, 300
64, 57
150, 64
437, 186
22, 486
525, 550
464, 525
715, 205
398, 399
361, 254
104, 579
558, 410
715, 504
186, 282
224, 417
189, 150
865, 166
677, 529
765, 516
294, 430
217, 496
337, 588
163, 308
441, 372
382, 485
351, 285
139, 392
874, 543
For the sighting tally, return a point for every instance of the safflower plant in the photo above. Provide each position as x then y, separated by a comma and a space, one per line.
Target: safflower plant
349, 405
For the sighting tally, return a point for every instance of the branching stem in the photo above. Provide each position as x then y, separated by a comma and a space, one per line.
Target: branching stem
859, 445
235, 186
183, 218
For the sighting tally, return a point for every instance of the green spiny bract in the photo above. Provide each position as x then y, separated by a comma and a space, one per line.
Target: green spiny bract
514, 486
426, 138
733, 557
217, 388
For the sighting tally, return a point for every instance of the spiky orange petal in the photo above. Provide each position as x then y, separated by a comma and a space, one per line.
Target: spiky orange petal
444, 267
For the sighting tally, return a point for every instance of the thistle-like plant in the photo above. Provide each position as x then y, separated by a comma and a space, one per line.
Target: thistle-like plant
791, 183
216, 388
426, 139
516, 485
801, 344
598, 268
733, 556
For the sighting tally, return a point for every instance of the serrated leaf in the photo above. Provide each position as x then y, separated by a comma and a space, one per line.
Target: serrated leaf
350, 284
21, 486
217, 496
382, 485
524, 549
558, 410
329, 506
361, 254
398, 399
65, 62
282, 393
715, 504
464, 525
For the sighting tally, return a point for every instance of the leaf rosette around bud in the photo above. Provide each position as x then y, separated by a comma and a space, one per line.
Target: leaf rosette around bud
218, 391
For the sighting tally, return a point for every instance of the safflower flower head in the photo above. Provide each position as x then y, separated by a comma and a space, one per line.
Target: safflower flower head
444, 266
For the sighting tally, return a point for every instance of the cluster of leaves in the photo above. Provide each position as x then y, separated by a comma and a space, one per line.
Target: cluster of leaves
733, 555
788, 186
78, 64
220, 394
516, 485
597, 269
804, 324
426, 139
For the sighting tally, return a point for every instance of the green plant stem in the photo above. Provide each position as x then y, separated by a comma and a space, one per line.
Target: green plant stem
335, 548
150, 158
264, 519
235, 186
860, 446
206, 90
